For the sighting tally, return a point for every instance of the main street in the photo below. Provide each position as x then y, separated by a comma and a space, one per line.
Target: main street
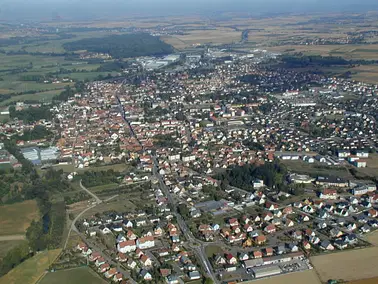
196, 245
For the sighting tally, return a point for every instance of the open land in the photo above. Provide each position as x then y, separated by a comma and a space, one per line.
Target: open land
32, 269
347, 265
21, 214
6, 246
73, 276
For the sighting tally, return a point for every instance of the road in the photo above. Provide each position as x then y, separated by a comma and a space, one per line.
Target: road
12, 238
192, 242
98, 200
197, 246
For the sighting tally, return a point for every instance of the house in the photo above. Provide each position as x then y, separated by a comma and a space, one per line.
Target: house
351, 226
145, 260
105, 230
233, 222
297, 235
365, 228
287, 210
145, 275
138, 253
335, 232
121, 257
243, 256
270, 229
172, 279
340, 244
372, 213
259, 240
127, 224
350, 239
326, 245
231, 259
100, 261
328, 194
121, 238
220, 260
103, 267
118, 277
280, 249
193, 275
267, 216
268, 251
257, 254
130, 235
110, 273
306, 245
165, 272
94, 256
131, 264
145, 242
288, 223
127, 246
247, 228
292, 247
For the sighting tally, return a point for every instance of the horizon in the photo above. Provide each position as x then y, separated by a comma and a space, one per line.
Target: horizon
45, 10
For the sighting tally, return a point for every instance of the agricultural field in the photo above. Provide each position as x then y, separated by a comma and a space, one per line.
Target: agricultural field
347, 265
308, 277
72, 276
31, 270
22, 214
365, 281
196, 37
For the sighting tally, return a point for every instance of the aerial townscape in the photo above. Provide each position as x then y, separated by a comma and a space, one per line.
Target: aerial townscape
214, 147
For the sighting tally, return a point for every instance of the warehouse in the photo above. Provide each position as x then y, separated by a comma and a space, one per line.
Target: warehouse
266, 271
250, 263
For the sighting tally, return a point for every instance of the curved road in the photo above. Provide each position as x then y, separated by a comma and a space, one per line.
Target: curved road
98, 200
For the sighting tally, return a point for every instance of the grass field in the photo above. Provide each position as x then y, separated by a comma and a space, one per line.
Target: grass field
347, 265
212, 249
16, 218
32, 269
104, 187
308, 277
302, 167
72, 276
71, 168
6, 246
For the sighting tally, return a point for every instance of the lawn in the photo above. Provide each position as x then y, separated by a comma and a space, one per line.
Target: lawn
212, 250
16, 218
32, 269
73, 276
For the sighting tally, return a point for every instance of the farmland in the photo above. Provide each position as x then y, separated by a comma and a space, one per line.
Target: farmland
308, 276
6, 246
347, 265
21, 214
73, 276
32, 269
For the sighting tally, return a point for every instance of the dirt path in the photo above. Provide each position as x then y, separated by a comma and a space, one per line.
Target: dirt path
12, 238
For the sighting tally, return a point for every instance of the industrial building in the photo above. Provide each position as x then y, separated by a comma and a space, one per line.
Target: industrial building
266, 271
37, 156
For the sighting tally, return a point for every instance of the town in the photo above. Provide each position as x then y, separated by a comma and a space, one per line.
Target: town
235, 169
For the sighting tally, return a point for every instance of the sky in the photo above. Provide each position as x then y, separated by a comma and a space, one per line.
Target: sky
26, 10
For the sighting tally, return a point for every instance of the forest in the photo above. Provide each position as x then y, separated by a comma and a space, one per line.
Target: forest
123, 46
273, 175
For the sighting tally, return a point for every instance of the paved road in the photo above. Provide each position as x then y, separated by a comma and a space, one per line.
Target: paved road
193, 242
12, 238
196, 245
98, 200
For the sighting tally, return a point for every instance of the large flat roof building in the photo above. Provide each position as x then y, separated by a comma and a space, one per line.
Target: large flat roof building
265, 271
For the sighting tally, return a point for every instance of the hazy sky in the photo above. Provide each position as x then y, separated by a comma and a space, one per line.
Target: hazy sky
92, 9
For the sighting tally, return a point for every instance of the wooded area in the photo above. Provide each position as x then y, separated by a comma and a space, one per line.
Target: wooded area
123, 46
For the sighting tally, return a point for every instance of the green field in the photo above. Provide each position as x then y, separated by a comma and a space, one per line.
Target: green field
6, 246
212, 249
73, 276
31, 270
16, 218
104, 187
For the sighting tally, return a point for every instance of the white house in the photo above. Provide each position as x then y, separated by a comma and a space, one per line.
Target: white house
127, 246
